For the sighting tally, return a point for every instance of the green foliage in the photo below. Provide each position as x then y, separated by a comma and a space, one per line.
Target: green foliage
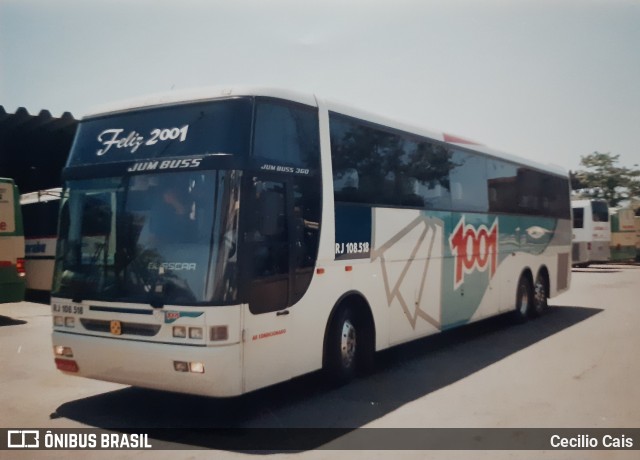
603, 178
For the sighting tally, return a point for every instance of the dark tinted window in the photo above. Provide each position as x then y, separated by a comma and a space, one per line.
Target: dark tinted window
600, 211
379, 166
469, 183
306, 237
359, 161
40, 219
286, 133
267, 246
578, 217
502, 180
556, 198
427, 170
543, 194
529, 191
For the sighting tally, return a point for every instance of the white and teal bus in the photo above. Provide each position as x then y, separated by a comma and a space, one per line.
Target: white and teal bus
218, 242
591, 232
40, 217
12, 269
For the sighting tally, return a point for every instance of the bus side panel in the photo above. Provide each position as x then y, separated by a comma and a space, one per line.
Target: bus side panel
579, 252
39, 262
600, 251
312, 314
407, 262
477, 245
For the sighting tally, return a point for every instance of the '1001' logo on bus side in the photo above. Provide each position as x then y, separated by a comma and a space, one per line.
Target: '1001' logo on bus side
474, 249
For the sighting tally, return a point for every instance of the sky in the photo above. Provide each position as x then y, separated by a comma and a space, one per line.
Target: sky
547, 80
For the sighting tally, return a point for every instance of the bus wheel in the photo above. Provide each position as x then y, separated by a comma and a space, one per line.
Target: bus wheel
342, 348
524, 299
540, 295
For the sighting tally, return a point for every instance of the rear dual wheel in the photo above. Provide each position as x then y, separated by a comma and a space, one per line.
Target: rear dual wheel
540, 295
524, 299
531, 299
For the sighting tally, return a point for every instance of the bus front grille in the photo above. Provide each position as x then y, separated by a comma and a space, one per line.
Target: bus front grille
98, 325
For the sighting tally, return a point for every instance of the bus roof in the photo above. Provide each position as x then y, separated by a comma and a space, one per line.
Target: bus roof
198, 95
212, 93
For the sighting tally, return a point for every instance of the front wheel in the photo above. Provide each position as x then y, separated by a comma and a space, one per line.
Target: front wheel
346, 346
524, 299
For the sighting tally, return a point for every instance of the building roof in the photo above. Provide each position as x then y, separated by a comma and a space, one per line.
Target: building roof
34, 148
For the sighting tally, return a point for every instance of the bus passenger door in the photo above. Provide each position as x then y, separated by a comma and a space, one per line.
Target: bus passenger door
267, 281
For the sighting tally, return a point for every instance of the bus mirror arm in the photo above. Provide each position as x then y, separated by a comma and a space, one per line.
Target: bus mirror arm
282, 313
156, 302
77, 294
156, 295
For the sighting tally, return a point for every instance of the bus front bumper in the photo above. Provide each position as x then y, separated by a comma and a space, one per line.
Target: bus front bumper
207, 371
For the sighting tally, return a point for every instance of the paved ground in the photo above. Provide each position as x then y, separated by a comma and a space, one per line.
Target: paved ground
575, 367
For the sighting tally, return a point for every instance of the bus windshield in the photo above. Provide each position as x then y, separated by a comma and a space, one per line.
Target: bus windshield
154, 238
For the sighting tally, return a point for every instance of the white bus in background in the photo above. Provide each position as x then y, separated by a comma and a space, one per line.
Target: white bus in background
218, 242
591, 232
40, 216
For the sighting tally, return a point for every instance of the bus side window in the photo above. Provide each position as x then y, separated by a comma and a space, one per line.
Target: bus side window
469, 190
286, 133
578, 217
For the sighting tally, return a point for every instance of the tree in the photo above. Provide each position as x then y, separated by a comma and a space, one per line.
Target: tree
603, 178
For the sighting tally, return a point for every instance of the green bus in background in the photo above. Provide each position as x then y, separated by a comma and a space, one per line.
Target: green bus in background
12, 272
623, 235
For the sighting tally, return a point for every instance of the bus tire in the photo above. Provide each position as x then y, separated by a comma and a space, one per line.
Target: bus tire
342, 349
524, 299
540, 295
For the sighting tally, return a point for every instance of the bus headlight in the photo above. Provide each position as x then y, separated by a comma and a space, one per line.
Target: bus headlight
60, 350
64, 321
197, 368
180, 332
195, 333
184, 366
181, 366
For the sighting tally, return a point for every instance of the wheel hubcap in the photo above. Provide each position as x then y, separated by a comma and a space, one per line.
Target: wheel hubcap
540, 295
348, 344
